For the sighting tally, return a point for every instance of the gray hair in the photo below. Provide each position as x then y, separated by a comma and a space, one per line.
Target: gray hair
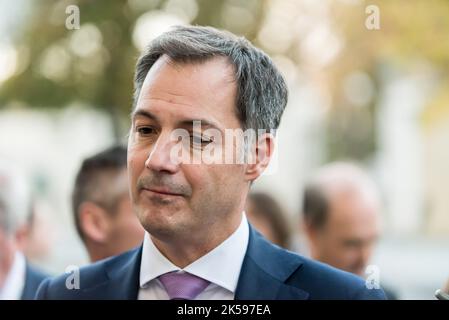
15, 200
261, 90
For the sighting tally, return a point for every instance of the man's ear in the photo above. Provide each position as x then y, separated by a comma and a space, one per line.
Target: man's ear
94, 222
260, 156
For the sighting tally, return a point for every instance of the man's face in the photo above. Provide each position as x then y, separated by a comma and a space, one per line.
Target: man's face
174, 199
347, 239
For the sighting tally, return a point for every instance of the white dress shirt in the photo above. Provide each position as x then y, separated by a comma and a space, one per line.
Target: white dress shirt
221, 267
15, 280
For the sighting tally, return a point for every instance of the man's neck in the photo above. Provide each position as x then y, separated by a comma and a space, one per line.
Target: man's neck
183, 252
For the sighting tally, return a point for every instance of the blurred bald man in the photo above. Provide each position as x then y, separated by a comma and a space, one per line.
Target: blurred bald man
341, 211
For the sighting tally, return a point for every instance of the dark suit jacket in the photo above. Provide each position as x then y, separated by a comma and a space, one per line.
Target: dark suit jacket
33, 279
268, 272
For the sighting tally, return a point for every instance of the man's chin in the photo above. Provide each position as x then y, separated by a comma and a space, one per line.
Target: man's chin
160, 223
164, 232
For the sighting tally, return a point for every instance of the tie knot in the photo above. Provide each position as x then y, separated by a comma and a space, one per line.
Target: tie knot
183, 285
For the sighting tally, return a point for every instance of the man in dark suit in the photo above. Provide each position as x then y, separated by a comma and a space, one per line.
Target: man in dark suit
268, 273
18, 279
206, 108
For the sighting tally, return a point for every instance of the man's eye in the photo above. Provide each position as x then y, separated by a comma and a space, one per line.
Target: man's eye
200, 140
145, 131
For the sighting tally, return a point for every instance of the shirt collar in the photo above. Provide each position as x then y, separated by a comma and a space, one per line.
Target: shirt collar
220, 266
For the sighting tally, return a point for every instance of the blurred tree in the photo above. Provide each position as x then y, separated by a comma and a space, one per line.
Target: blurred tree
92, 65
411, 35
95, 64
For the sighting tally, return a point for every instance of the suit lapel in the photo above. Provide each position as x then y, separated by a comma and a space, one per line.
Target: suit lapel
123, 280
265, 270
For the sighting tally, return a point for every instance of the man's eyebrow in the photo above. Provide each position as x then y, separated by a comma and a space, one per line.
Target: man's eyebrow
143, 113
183, 123
204, 123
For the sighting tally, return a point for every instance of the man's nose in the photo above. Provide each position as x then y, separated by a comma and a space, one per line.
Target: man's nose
160, 156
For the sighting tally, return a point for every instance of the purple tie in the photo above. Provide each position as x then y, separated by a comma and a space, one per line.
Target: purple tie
184, 286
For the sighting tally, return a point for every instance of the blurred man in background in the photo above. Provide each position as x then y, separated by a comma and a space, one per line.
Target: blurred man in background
341, 211
102, 209
267, 216
18, 279
41, 234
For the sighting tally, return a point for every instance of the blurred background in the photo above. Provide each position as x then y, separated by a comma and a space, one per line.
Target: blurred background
377, 96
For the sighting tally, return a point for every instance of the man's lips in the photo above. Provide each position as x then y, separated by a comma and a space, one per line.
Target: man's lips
162, 191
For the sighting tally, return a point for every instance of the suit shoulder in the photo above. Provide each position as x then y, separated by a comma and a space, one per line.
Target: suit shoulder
36, 273
76, 281
326, 282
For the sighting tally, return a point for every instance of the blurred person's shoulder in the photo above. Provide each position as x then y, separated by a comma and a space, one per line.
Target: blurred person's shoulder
323, 281
94, 281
